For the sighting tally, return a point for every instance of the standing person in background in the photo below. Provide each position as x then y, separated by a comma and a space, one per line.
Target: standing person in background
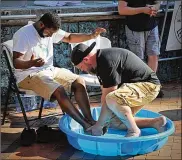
142, 29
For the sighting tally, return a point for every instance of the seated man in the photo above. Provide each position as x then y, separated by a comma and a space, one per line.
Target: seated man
33, 60
127, 85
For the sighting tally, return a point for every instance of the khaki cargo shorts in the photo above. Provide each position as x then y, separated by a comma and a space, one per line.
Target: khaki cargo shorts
45, 82
134, 95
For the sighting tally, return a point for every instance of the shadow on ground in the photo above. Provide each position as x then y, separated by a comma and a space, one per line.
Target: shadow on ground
174, 115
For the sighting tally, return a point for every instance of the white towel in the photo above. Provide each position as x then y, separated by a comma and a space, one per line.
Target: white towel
73, 3
48, 3
57, 3
61, 3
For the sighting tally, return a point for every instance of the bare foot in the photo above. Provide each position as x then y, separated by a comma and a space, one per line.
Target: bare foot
131, 133
160, 123
95, 130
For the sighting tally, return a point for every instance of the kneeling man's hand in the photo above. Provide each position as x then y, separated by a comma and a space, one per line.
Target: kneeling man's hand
95, 130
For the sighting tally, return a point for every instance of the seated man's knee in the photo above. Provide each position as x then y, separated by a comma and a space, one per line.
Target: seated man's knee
60, 91
78, 83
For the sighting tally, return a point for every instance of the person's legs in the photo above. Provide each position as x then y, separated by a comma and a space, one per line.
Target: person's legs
72, 82
153, 62
47, 84
82, 99
123, 112
153, 51
158, 123
68, 107
135, 42
152, 48
125, 103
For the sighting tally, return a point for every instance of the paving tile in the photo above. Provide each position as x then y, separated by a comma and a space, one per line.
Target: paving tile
156, 101
169, 144
166, 147
165, 152
177, 138
176, 156
54, 155
140, 157
67, 154
155, 153
98, 157
158, 157
155, 109
14, 155
77, 155
56, 152
88, 156
4, 147
131, 158
175, 151
171, 139
176, 146
37, 150
34, 157
6, 124
9, 138
4, 156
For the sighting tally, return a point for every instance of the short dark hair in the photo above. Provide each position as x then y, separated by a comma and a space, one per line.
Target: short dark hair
51, 20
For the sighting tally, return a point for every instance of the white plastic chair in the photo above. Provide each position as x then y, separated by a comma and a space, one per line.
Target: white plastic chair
101, 43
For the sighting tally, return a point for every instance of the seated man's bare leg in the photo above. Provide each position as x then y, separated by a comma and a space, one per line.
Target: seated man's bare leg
81, 97
68, 107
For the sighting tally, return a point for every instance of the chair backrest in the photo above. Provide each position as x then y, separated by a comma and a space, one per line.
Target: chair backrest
101, 42
104, 43
7, 49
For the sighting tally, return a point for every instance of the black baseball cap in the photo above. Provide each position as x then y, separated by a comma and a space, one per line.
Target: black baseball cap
80, 51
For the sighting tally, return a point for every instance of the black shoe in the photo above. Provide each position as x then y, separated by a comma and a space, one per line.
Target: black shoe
43, 134
28, 137
46, 134
161, 94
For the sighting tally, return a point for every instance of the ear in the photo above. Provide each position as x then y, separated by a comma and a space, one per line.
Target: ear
86, 59
41, 24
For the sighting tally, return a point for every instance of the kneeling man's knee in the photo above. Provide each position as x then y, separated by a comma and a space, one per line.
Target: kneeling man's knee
117, 103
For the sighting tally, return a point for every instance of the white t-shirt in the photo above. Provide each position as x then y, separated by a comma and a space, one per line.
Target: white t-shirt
28, 42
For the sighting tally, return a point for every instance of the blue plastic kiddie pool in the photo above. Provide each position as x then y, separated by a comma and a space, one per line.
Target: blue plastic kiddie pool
114, 143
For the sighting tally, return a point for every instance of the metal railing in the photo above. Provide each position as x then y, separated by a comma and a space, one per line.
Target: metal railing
169, 59
86, 14
64, 15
